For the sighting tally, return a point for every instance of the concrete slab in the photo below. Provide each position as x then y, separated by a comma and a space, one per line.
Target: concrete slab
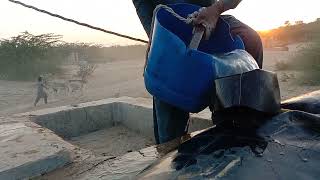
29, 150
136, 117
136, 101
201, 120
126, 166
74, 121
41, 151
134, 113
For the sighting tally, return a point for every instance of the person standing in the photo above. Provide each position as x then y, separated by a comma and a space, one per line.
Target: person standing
171, 122
41, 93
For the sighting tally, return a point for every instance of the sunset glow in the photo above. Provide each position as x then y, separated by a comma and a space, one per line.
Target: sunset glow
120, 16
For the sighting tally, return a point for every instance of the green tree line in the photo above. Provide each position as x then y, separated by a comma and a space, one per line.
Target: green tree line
26, 56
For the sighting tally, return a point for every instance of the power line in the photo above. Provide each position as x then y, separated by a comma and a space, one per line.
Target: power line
77, 22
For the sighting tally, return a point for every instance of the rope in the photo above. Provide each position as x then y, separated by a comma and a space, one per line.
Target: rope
170, 10
77, 22
167, 8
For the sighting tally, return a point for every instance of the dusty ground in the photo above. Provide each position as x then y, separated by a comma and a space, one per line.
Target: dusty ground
100, 141
124, 78
114, 79
290, 84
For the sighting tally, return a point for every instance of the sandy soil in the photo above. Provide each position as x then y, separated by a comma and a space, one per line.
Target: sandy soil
114, 79
124, 78
113, 141
288, 80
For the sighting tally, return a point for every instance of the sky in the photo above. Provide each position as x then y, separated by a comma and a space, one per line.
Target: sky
120, 16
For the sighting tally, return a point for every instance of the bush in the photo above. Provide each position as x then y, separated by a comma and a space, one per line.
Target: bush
280, 65
85, 70
26, 56
307, 60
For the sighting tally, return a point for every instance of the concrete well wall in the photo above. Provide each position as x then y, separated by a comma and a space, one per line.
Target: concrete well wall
77, 121
134, 113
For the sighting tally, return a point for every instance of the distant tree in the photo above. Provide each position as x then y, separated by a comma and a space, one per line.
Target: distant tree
298, 22
287, 23
26, 56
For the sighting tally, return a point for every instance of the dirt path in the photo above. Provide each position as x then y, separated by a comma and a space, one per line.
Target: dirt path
124, 78
114, 79
288, 80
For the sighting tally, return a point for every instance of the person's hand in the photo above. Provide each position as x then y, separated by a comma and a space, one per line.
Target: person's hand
208, 17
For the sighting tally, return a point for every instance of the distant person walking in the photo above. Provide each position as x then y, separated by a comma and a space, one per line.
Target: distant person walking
41, 93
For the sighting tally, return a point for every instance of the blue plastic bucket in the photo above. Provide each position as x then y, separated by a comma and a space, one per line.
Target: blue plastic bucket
176, 74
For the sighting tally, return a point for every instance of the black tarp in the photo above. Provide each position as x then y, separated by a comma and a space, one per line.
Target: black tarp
284, 146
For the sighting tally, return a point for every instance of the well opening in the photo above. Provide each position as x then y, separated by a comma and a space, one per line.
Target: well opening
108, 127
111, 129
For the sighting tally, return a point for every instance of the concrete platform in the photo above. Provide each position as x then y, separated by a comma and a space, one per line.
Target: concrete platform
29, 150
32, 146
134, 113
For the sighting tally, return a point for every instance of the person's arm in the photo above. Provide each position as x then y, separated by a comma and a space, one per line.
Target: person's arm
210, 15
229, 4
144, 9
